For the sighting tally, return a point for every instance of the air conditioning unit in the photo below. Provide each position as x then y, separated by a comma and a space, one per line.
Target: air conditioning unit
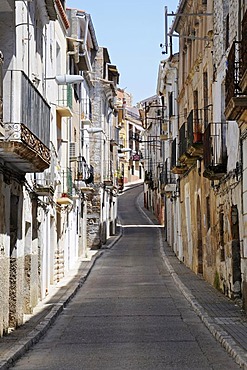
73, 150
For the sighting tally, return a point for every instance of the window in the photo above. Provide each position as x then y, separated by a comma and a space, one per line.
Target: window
205, 98
208, 212
196, 115
170, 100
227, 32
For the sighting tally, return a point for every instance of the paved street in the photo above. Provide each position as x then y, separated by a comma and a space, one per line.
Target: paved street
129, 314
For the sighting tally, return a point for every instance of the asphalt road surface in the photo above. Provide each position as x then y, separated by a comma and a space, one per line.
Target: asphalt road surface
128, 315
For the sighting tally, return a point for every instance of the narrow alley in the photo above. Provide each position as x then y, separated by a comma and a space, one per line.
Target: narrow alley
129, 313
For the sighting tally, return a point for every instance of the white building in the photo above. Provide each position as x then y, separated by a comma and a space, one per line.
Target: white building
49, 173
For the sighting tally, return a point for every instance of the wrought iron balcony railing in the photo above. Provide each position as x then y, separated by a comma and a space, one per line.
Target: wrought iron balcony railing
233, 72
166, 176
191, 138
24, 104
176, 166
243, 59
26, 124
46, 183
66, 193
183, 145
236, 83
215, 153
67, 182
194, 127
170, 178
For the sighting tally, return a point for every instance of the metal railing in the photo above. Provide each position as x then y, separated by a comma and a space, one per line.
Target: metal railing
233, 72
65, 96
243, 58
190, 133
182, 139
194, 127
167, 177
214, 153
67, 183
23, 104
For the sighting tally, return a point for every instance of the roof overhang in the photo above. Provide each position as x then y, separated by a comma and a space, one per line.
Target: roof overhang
180, 10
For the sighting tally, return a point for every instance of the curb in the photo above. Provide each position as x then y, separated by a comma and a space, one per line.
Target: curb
23, 345
225, 339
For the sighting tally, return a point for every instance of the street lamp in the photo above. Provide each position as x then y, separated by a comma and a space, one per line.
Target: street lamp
94, 130
124, 150
66, 79
69, 79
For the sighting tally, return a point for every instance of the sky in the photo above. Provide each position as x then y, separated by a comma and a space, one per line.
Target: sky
132, 31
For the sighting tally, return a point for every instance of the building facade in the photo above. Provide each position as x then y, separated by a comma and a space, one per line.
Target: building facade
130, 127
55, 174
203, 88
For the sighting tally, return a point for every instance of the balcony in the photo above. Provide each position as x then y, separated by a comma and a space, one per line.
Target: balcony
148, 178
64, 102
26, 125
114, 141
215, 155
243, 64
191, 139
43, 187
236, 99
65, 197
170, 182
176, 167
46, 183
85, 173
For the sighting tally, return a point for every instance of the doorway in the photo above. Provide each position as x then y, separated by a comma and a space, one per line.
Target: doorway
199, 238
236, 257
